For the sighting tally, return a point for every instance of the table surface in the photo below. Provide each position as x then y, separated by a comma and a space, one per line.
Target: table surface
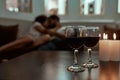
52, 65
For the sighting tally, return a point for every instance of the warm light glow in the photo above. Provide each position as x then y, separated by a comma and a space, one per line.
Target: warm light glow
81, 34
105, 36
86, 34
114, 36
99, 35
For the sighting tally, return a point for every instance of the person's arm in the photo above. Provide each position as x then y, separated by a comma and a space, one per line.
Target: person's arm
50, 32
58, 26
40, 29
54, 33
41, 41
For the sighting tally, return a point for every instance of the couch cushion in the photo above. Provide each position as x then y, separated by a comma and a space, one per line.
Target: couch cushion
8, 33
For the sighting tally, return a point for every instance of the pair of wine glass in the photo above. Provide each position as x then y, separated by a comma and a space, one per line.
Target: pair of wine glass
76, 37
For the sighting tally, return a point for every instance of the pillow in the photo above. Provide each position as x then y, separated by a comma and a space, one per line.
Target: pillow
8, 33
111, 30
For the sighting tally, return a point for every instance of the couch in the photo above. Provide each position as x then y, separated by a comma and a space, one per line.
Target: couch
9, 33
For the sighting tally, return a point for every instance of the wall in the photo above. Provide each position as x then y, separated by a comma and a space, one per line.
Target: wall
110, 13
72, 18
37, 9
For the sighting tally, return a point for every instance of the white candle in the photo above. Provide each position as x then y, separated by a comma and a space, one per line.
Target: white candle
115, 49
103, 48
109, 50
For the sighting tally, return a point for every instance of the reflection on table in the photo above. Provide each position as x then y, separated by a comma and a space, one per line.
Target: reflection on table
52, 65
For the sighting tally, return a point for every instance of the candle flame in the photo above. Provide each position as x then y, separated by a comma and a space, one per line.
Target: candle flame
86, 34
81, 34
105, 36
114, 36
99, 35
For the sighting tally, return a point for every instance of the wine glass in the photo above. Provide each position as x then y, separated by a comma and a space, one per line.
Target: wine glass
91, 35
74, 40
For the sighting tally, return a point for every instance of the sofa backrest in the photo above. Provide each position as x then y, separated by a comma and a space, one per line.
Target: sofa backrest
8, 33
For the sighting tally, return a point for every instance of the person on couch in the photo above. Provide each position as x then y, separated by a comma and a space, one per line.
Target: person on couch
38, 35
56, 43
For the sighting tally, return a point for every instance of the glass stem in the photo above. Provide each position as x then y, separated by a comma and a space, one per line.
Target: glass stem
75, 57
89, 55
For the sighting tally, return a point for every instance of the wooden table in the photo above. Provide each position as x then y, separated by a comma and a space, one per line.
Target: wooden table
52, 65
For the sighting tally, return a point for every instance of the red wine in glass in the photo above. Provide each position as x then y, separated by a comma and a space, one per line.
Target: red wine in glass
74, 40
91, 41
75, 43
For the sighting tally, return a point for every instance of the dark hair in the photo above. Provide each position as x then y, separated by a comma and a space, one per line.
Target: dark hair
54, 17
41, 19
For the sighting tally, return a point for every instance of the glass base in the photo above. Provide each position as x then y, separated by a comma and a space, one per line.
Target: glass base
75, 68
90, 65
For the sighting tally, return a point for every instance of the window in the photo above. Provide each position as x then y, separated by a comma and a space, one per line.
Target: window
58, 7
119, 6
19, 5
91, 7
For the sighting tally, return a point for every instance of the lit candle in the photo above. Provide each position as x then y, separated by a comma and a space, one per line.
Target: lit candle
109, 50
114, 36
104, 49
115, 49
